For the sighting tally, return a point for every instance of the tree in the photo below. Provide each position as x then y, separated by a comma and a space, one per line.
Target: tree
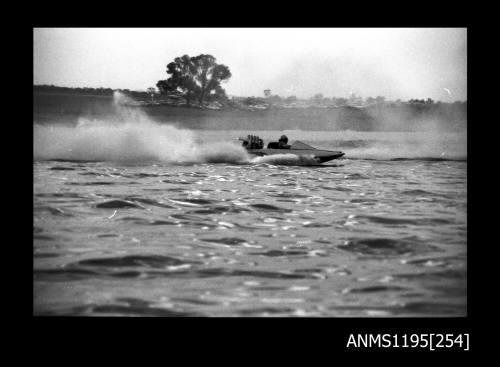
195, 77
152, 92
267, 93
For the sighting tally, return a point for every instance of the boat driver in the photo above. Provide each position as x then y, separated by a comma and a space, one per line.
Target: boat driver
283, 142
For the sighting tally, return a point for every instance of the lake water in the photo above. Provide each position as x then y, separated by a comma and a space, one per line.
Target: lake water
153, 221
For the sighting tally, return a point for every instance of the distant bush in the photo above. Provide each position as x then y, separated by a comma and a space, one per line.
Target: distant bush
252, 101
56, 89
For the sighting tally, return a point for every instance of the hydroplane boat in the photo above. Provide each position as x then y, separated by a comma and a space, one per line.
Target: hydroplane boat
254, 145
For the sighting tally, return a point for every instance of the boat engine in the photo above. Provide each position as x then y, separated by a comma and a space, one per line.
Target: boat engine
254, 142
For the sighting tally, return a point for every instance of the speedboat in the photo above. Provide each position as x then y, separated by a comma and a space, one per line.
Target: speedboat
254, 145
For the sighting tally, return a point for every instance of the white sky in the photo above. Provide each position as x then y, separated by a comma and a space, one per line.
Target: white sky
396, 63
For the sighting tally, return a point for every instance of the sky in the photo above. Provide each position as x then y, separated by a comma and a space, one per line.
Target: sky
398, 63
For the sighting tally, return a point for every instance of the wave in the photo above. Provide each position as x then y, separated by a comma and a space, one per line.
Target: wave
404, 151
423, 159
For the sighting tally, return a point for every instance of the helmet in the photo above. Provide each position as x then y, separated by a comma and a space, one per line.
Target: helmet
284, 138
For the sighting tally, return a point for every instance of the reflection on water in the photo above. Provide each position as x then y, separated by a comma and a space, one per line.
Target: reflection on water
351, 238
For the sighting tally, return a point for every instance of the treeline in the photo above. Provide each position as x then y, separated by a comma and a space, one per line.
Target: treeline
318, 100
85, 90
90, 91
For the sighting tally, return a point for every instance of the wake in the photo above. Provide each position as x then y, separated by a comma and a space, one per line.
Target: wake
131, 137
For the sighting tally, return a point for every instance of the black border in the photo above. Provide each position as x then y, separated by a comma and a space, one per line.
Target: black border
219, 336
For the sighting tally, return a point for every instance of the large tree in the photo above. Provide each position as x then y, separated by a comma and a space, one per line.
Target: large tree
195, 77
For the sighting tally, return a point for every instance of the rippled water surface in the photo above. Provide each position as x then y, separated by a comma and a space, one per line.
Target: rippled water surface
353, 237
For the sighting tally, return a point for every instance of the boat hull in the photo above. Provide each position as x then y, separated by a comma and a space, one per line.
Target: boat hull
319, 155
